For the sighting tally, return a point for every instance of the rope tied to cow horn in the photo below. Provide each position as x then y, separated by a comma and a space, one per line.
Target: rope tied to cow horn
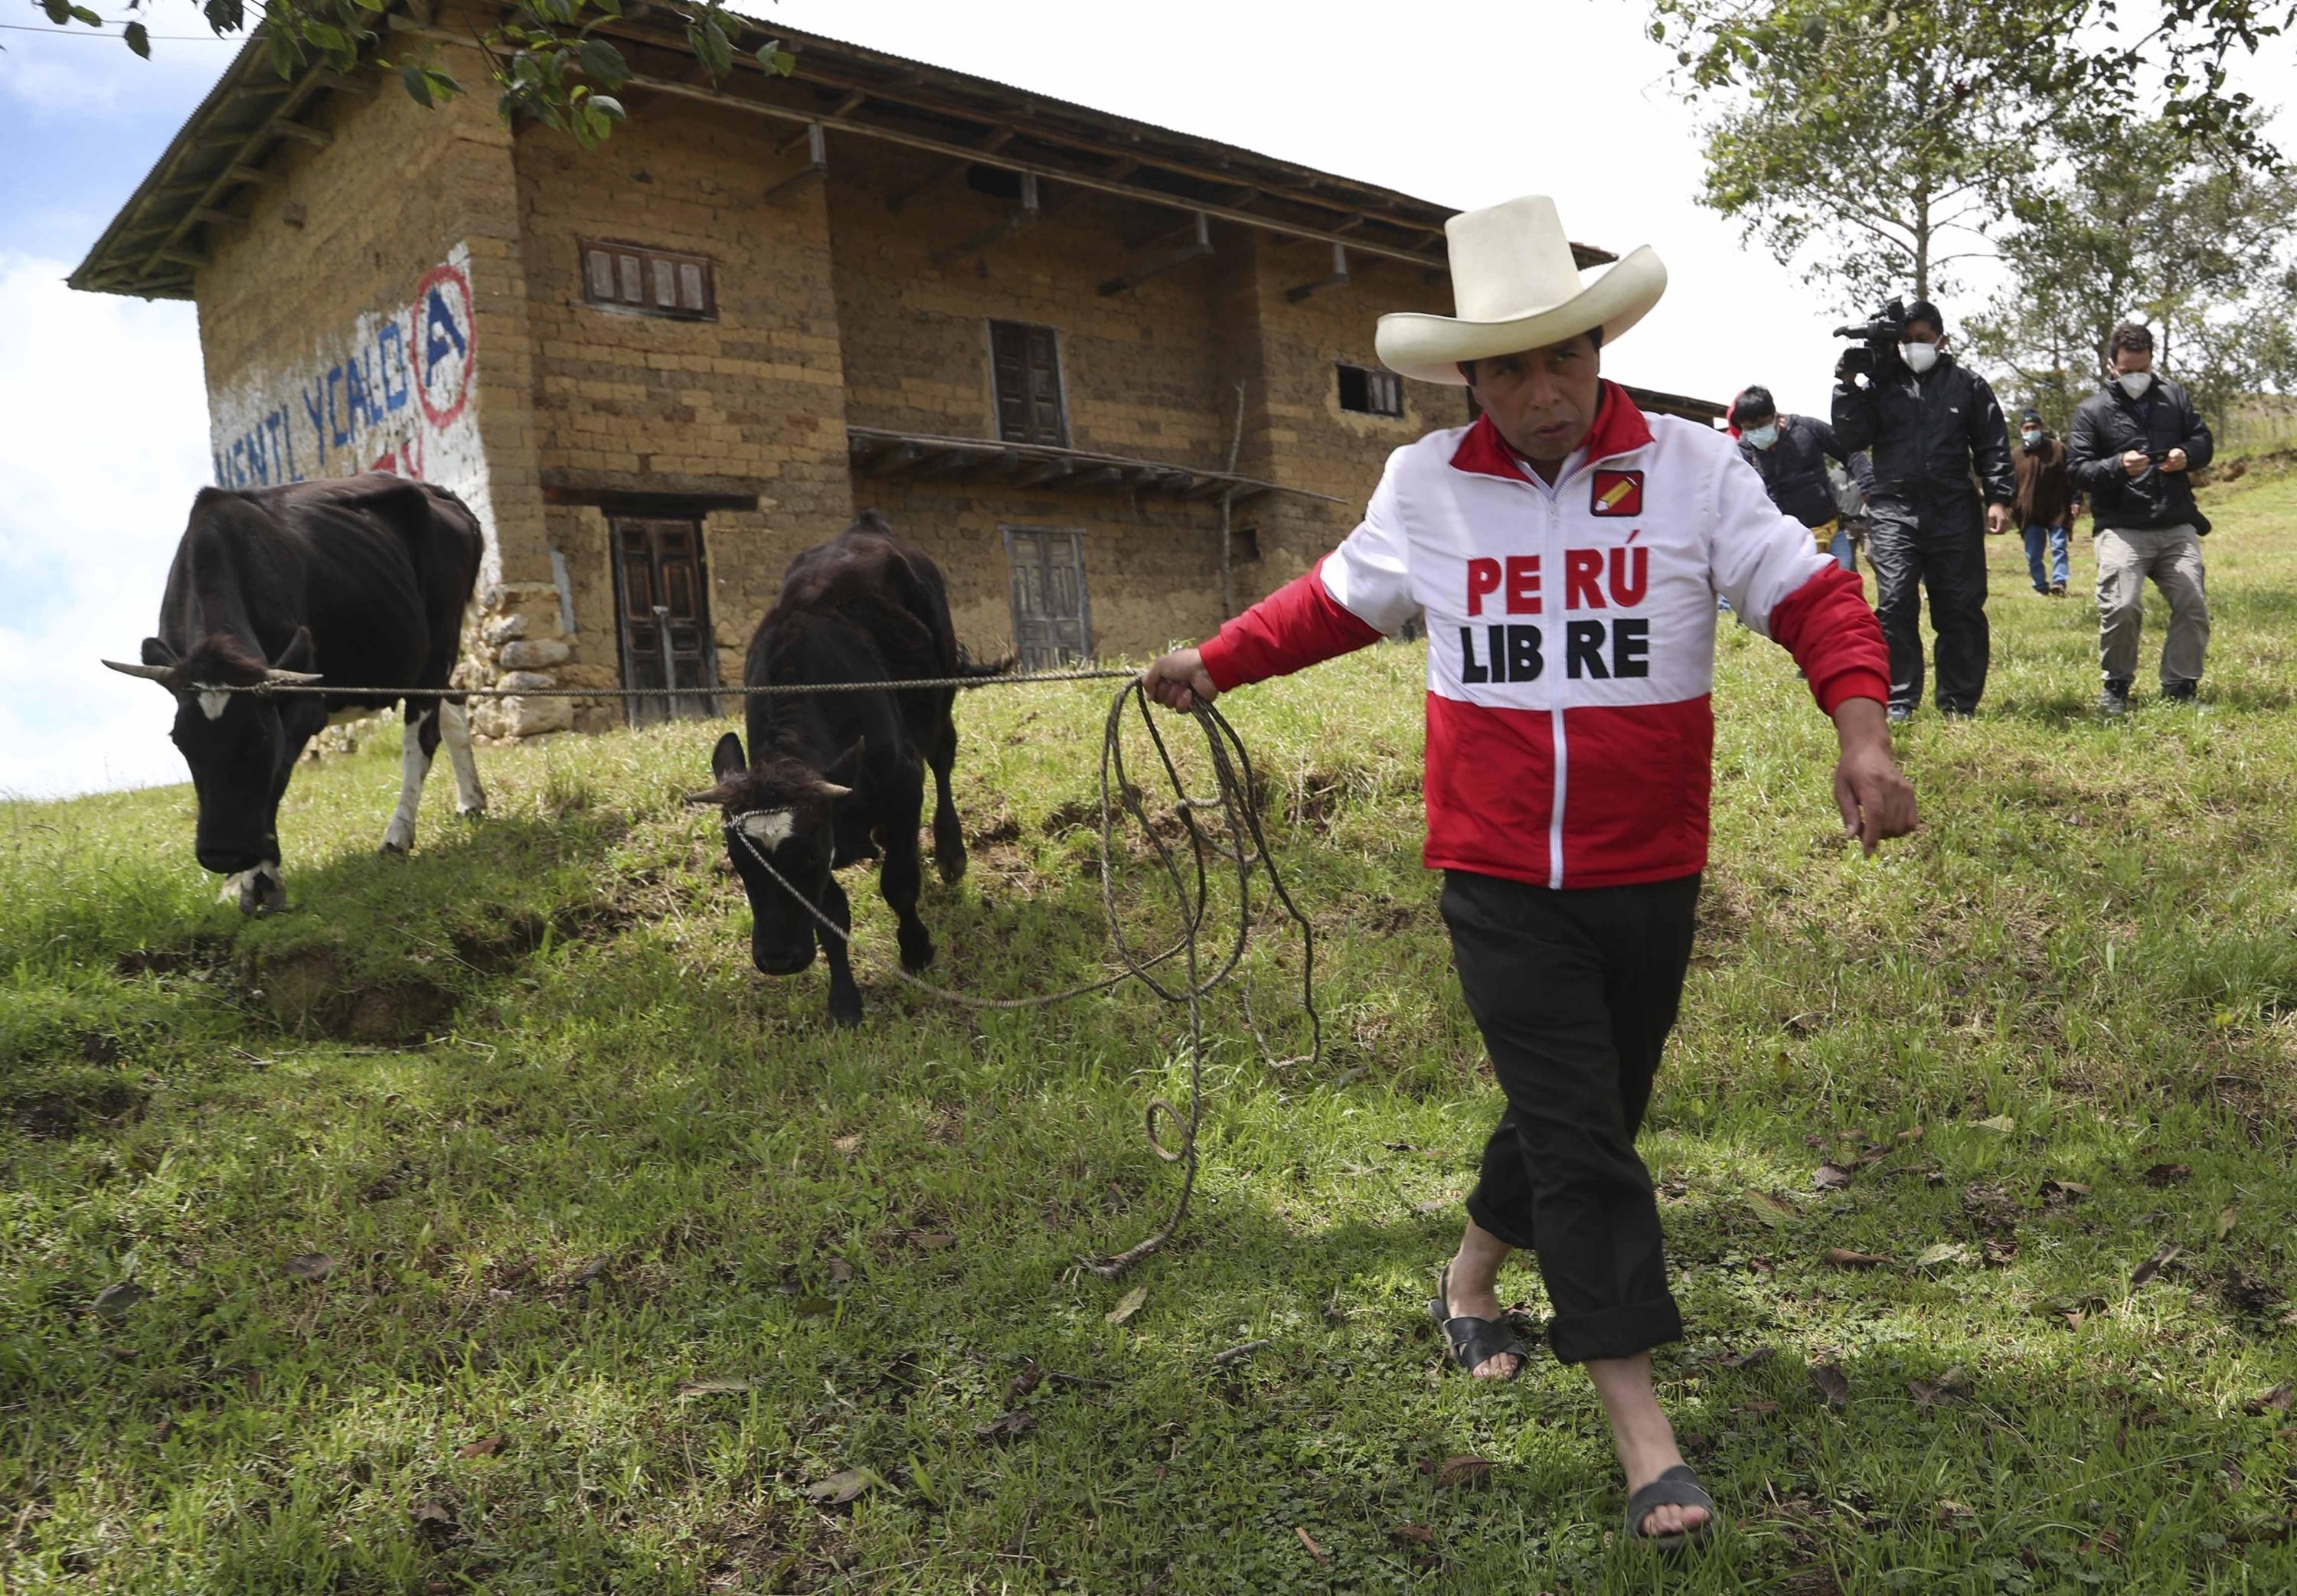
1246, 848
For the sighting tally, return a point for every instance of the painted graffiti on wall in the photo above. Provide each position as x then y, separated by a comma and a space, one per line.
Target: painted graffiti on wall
391, 391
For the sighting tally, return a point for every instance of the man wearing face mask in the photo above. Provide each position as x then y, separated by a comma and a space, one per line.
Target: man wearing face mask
2134, 441
1789, 454
1942, 481
2046, 505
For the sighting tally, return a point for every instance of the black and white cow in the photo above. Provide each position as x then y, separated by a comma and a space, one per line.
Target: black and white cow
361, 580
836, 777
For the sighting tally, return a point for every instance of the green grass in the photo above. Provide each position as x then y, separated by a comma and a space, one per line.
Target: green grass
622, 1163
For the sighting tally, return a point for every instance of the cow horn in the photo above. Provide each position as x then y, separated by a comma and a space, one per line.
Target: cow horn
713, 795
832, 791
298, 678
161, 673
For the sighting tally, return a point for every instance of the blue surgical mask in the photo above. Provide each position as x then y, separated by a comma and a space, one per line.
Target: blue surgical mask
2031, 437
1763, 436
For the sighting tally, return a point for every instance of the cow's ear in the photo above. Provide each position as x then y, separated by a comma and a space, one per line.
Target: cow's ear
726, 760
839, 777
298, 653
156, 652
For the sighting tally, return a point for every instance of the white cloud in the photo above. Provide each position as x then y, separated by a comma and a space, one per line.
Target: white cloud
102, 444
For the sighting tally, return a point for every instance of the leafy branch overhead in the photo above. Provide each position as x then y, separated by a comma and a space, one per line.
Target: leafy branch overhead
1884, 143
545, 57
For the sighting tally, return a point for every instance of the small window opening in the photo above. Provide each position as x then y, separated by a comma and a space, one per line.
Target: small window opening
650, 282
1243, 545
1370, 393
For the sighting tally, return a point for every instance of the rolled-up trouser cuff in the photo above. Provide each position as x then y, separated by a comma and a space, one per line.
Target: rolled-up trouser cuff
1618, 1332
1480, 1212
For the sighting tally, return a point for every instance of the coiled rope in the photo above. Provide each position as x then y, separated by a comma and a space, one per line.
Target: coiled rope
1236, 791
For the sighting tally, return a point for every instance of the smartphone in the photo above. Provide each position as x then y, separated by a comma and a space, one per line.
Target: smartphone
2161, 459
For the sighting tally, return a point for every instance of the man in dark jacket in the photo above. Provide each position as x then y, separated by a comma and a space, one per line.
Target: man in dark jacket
1940, 448
2045, 504
1789, 454
2134, 441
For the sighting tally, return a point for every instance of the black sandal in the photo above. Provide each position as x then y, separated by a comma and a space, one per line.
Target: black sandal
1470, 1342
1677, 1487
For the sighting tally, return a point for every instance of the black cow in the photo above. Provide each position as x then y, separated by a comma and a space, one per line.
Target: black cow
361, 580
835, 777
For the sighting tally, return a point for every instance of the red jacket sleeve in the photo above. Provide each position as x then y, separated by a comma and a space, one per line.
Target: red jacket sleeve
1299, 625
1826, 624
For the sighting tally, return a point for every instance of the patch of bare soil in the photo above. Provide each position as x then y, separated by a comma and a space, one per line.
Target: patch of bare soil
62, 1112
308, 990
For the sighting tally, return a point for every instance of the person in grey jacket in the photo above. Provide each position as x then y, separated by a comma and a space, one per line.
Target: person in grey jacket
2133, 444
1941, 449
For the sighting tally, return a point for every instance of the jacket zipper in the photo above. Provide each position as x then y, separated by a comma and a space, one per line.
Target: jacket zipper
1560, 760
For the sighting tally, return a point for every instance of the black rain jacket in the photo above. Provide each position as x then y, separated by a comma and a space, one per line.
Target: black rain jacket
1929, 435
2107, 424
1794, 468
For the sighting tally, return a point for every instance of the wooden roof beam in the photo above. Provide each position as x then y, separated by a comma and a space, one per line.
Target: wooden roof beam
1196, 243
317, 137
1338, 277
1095, 182
845, 108
814, 171
1027, 215
998, 137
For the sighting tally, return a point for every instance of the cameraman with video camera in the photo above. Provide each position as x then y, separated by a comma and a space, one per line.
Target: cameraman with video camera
1942, 481
2133, 443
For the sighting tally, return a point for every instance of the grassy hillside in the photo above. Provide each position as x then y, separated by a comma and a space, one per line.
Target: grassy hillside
486, 1223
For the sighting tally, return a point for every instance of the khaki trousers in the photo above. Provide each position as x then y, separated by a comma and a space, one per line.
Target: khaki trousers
2172, 557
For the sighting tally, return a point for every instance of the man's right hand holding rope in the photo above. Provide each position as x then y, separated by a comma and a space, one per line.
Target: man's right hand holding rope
1179, 680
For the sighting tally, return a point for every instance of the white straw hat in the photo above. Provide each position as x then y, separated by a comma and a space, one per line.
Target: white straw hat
1516, 287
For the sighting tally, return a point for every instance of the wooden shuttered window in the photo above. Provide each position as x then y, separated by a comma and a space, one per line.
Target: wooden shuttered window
1371, 391
650, 282
1025, 362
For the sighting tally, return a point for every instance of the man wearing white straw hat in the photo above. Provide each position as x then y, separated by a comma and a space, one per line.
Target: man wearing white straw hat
1567, 550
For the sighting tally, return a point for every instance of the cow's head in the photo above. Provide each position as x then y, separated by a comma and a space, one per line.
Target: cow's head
241, 747
784, 809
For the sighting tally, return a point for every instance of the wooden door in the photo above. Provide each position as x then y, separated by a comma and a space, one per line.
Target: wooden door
1025, 362
663, 600
1053, 625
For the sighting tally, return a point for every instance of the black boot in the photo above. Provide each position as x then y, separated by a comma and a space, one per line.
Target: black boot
2114, 698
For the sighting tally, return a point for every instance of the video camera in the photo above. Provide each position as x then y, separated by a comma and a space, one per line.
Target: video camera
1879, 338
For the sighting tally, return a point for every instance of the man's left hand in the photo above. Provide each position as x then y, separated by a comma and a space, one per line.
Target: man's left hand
1997, 520
1876, 798
2176, 461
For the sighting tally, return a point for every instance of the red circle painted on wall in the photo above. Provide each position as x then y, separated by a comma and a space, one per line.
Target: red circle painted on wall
444, 338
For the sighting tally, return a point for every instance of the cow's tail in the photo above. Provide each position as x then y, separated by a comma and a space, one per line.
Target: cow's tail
975, 670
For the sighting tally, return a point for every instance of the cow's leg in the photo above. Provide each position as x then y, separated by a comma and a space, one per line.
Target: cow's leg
416, 746
844, 997
455, 731
949, 833
903, 873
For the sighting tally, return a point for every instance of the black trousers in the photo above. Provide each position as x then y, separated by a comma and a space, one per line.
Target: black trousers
1575, 991
1941, 547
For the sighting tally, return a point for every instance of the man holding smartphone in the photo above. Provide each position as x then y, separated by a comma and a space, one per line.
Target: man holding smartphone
2133, 444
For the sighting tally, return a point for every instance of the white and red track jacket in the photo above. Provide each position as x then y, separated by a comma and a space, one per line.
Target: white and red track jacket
1570, 635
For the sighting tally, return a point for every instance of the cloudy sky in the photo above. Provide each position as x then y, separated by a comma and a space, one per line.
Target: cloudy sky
102, 421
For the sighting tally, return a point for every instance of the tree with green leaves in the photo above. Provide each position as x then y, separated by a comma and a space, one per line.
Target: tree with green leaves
1884, 141
545, 56
2133, 225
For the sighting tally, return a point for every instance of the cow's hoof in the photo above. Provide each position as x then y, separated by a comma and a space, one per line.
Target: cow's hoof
394, 849
846, 1013
476, 812
917, 947
952, 871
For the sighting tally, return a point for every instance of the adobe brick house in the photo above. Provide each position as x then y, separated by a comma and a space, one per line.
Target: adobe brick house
657, 371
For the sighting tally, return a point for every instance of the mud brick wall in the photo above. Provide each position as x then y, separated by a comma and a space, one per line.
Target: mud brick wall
748, 407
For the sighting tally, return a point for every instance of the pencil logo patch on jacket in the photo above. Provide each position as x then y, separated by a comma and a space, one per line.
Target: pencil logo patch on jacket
1617, 493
